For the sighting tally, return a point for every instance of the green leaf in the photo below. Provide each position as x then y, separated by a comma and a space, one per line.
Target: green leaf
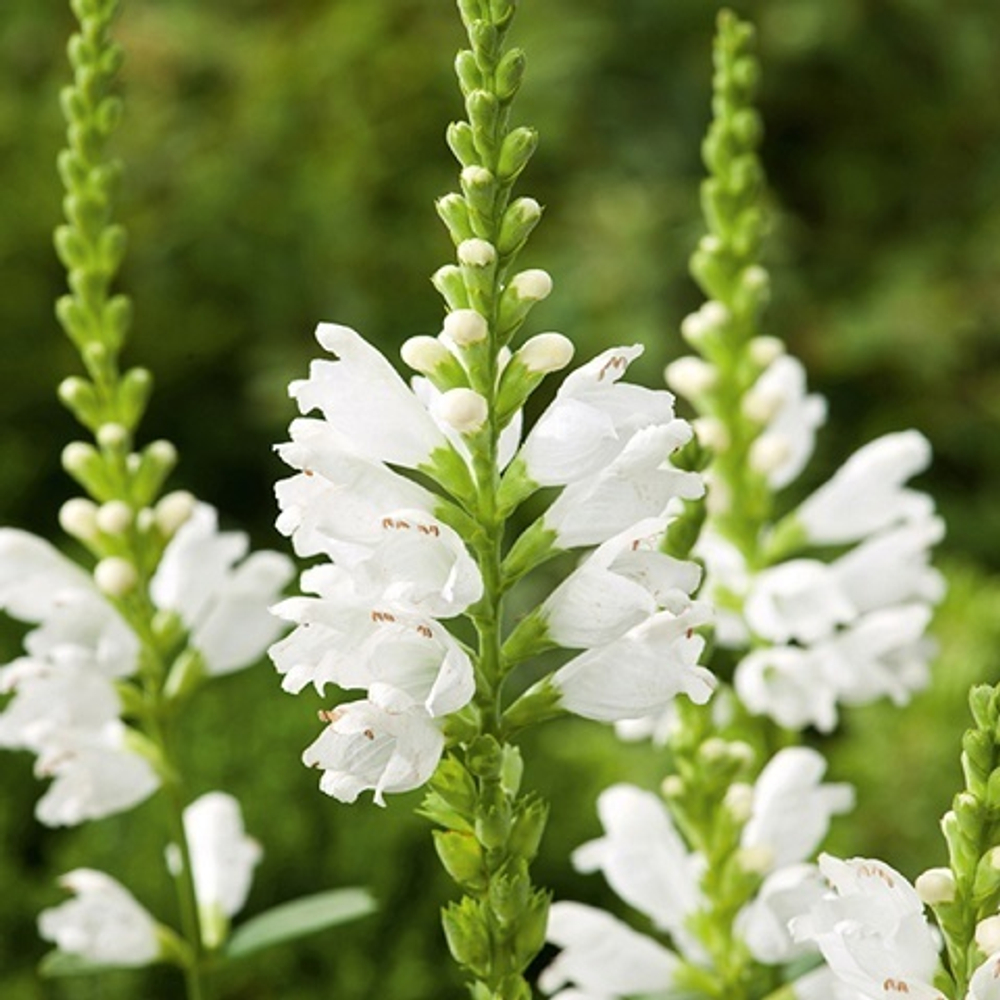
60, 963
299, 918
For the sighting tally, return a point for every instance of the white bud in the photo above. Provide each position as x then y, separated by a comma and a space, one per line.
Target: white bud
463, 409
765, 350
76, 455
172, 511
466, 326
145, 520
546, 352
710, 244
936, 885
476, 176
988, 935
476, 253
711, 433
114, 517
718, 497
710, 318
768, 454
690, 376
532, 286
112, 436
78, 517
739, 801
115, 577
715, 749
162, 452
760, 405
672, 786
424, 354
757, 859
755, 278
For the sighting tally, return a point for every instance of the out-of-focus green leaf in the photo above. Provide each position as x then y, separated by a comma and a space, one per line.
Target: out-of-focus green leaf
57, 964
298, 918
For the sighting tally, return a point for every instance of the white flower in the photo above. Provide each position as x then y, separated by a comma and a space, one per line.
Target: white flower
603, 958
866, 494
763, 922
35, 578
619, 585
96, 775
640, 673
223, 858
872, 930
645, 861
224, 606
103, 923
637, 483
367, 402
591, 420
985, 982
386, 749
778, 400
788, 684
792, 808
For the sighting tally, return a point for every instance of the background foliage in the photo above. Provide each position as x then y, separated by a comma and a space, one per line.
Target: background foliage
282, 160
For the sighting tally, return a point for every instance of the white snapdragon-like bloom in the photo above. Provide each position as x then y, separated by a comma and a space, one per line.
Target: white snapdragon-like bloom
790, 418
648, 864
103, 923
867, 494
363, 398
222, 605
385, 748
223, 859
871, 929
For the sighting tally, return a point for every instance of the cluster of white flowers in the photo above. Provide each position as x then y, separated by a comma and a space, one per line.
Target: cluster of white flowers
822, 632
871, 928
646, 862
103, 923
66, 706
394, 568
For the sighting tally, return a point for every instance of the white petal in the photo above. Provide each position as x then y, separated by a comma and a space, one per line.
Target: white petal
985, 984
603, 956
366, 401
365, 747
223, 857
34, 577
103, 923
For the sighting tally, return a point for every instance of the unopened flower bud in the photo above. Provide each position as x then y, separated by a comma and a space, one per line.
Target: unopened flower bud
449, 282
768, 454
424, 354
145, 520
546, 352
162, 453
112, 436
173, 510
765, 350
466, 326
690, 376
463, 409
739, 801
476, 176
476, 253
758, 859
114, 517
756, 278
761, 405
936, 885
78, 517
988, 935
532, 285
115, 577
711, 433
709, 319
672, 786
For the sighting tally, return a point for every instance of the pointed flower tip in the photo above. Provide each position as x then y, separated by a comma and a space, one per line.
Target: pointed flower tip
546, 352
532, 286
466, 326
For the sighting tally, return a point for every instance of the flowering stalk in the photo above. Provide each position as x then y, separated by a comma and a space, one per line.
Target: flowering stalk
403, 556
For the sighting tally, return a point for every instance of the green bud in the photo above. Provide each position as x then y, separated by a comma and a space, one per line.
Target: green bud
88, 285
485, 40
683, 532
484, 757
509, 892
529, 935
467, 933
462, 143
86, 465
453, 211
537, 543
72, 170
529, 638
518, 298
134, 390
109, 115
469, 76
517, 148
529, 825
518, 221
510, 73
493, 826
155, 463
462, 858
71, 247
983, 705
992, 795
480, 189
483, 110
80, 398
986, 884
168, 630
455, 785
538, 704
117, 318
450, 284
511, 770
977, 759
187, 674
111, 248
88, 211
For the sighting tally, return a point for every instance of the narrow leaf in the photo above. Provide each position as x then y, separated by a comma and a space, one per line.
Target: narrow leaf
56, 964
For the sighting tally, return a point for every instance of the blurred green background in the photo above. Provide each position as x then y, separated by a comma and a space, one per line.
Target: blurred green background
282, 161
